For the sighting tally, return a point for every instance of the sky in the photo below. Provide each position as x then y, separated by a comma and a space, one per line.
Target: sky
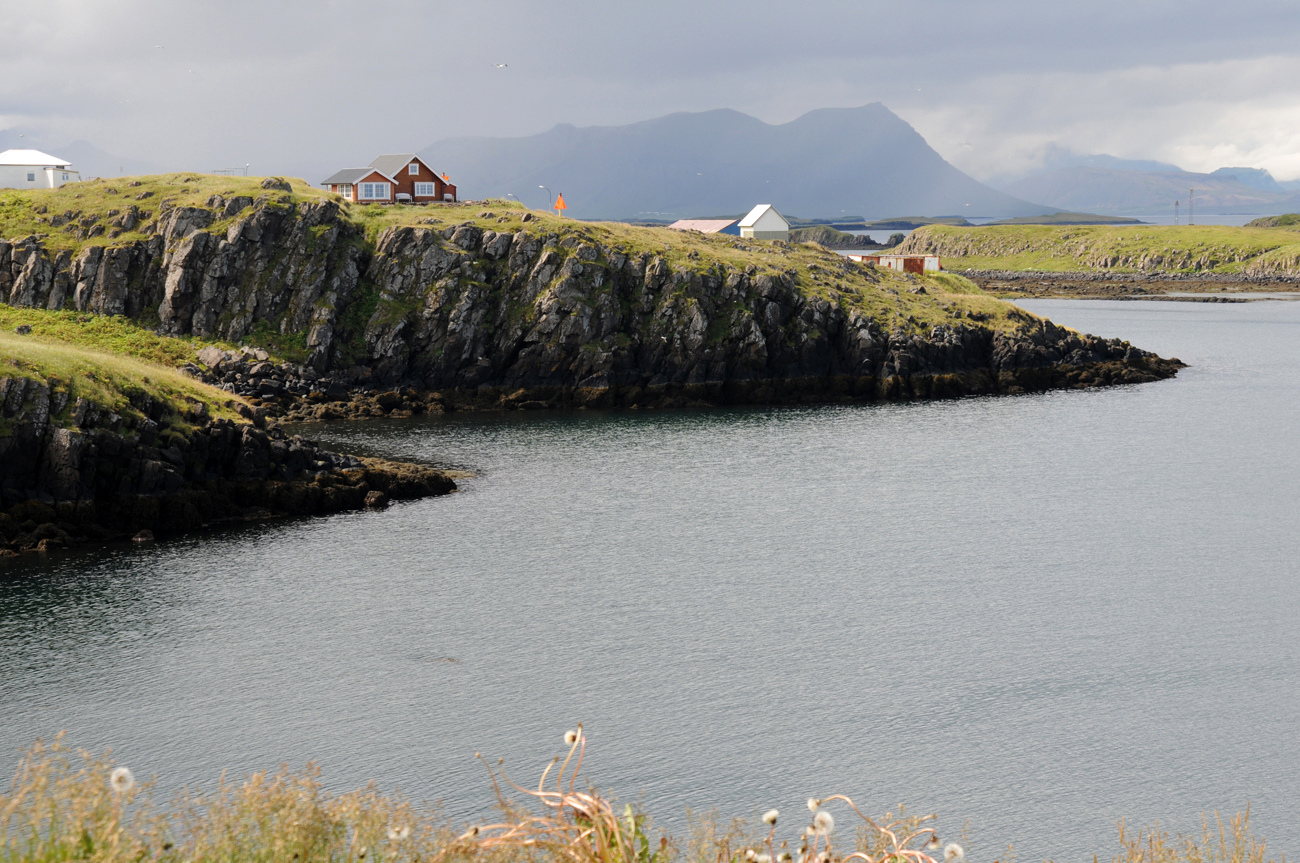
304, 88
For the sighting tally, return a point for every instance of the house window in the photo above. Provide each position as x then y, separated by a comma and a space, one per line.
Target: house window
345, 189
413, 168
31, 176
425, 190
65, 176
374, 191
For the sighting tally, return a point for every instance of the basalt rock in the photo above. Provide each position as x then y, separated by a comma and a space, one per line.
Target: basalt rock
526, 320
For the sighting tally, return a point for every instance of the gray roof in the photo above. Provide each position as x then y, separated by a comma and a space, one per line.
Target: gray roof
348, 175
394, 163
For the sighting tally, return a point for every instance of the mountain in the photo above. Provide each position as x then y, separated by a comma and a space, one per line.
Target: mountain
1256, 178
90, 161
865, 161
1113, 191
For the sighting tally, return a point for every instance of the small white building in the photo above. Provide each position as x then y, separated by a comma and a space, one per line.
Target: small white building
765, 223
32, 169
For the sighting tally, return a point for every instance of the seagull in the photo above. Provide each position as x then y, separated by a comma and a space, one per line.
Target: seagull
157, 46
501, 65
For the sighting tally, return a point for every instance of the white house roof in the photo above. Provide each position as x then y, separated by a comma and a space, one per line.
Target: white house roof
757, 213
32, 157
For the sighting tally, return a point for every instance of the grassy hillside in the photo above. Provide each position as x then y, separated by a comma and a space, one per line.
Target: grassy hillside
1289, 220
903, 302
1127, 249
107, 361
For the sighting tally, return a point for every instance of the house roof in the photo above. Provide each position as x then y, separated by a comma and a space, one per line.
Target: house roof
32, 157
704, 226
395, 162
757, 213
354, 175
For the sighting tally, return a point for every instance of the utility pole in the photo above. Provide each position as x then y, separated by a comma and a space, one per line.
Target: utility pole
1175, 212
1190, 193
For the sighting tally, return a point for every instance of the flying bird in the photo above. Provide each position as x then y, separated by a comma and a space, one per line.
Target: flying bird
501, 65
157, 46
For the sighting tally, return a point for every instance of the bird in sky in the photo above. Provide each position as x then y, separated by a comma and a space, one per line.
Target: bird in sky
157, 46
501, 65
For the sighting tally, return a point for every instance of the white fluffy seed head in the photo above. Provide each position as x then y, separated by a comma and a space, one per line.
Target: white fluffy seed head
749, 855
814, 804
953, 853
763, 858
823, 823
769, 817
933, 843
570, 737
121, 780
397, 834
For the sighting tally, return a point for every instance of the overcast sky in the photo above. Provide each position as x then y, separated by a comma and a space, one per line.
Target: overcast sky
307, 87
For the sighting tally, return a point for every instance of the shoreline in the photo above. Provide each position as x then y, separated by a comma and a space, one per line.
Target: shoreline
1169, 287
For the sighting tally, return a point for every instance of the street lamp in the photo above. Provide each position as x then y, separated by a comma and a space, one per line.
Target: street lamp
549, 197
517, 201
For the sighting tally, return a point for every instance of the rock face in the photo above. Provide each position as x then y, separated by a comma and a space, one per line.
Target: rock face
102, 473
507, 319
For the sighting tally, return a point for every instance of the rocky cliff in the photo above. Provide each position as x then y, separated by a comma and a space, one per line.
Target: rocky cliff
505, 308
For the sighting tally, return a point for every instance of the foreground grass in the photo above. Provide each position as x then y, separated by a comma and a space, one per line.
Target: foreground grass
113, 380
1129, 248
65, 806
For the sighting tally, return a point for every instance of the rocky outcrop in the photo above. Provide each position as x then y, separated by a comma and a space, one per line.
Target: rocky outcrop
500, 319
69, 472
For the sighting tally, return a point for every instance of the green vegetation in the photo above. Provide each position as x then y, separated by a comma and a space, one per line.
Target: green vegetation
61, 807
1289, 220
111, 380
1138, 248
1068, 219
84, 214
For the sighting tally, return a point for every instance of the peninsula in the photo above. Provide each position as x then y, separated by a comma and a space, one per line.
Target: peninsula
160, 329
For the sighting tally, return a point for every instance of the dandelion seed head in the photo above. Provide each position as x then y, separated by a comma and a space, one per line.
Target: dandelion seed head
823, 823
814, 804
769, 817
396, 834
121, 780
763, 858
749, 854
570, 737
953, 853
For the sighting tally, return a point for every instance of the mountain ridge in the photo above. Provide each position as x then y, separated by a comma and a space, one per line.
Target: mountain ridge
865, 160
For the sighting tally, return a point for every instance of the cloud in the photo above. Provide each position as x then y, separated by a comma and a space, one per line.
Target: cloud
304, 88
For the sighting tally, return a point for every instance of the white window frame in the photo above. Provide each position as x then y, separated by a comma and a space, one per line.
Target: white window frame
345, 189
31, 176
374, 192
426, 190
413, 169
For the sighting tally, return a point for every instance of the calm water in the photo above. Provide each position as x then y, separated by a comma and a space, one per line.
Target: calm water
1038, 613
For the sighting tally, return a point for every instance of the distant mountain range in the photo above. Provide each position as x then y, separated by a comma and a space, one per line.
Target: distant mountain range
865, 162
1106, 184
89, 160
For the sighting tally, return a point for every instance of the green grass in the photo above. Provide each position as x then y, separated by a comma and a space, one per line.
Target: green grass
103, 378
1137, 248
1289, 220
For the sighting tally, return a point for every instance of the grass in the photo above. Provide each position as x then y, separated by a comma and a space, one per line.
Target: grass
109, 380
1135, 248
890, 299
64, 805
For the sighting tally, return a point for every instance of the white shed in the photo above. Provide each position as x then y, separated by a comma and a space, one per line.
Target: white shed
32, 169
765, 223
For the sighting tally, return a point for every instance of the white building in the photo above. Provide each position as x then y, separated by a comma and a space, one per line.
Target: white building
32, 169
765, 223
902, 263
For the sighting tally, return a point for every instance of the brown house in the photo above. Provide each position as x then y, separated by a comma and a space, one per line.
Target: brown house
396, 177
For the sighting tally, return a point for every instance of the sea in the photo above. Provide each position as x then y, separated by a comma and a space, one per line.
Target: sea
1033, 615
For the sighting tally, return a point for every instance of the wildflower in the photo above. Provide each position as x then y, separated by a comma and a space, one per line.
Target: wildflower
763, 858
570, 737
749, 855
823, 823
399, 833
933, 843
814, 804
953, 853
769, 817
121, 780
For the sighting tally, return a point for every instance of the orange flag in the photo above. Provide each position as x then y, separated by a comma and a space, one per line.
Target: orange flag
559, 203
445, 177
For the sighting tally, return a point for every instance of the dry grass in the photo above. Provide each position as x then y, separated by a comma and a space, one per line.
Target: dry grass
66, 806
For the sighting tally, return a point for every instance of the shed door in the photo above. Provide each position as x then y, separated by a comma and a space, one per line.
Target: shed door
914, 265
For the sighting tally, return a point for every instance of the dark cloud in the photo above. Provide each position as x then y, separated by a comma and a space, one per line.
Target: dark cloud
306, 87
